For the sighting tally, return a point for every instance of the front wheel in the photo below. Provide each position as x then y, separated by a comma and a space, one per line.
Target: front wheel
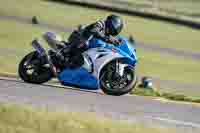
31, 69
116, 85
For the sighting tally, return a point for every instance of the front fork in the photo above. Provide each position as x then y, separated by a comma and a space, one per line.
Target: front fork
42, 52
120, 68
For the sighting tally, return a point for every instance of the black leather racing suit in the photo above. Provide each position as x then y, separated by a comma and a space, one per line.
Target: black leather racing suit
79, 39
85, 33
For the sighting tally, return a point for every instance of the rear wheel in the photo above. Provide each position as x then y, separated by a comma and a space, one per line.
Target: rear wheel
32, 70
114, 84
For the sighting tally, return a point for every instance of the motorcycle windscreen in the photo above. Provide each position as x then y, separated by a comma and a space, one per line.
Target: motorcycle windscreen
125, 49
128, 48
79, 77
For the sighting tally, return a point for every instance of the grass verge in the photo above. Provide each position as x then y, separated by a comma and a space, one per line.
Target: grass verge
170, 96
15, 43
185, 9
15, 118
152, 32
180, 7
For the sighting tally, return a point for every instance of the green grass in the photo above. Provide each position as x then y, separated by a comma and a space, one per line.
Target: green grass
13, 37
168, 67
19, 41
187, 9
186, 6
186, 92
140, 91
19, 119
152, 32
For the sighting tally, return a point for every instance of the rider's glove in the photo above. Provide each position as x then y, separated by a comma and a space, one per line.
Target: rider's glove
114, 41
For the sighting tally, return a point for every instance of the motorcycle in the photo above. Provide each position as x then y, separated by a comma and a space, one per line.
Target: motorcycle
104, 66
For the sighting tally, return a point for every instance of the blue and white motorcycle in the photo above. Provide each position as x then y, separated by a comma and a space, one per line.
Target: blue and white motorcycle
103, 66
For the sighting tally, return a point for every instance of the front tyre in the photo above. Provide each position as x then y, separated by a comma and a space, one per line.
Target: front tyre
31, 69
118, 86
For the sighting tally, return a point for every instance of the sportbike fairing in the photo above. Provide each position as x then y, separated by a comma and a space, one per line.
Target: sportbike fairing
99, 54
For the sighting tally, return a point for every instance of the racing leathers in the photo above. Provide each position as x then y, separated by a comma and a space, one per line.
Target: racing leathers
79, 39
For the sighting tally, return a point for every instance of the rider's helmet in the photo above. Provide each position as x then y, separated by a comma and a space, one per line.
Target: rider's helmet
113, 24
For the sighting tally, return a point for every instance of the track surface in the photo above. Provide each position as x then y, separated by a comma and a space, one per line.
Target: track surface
183, 117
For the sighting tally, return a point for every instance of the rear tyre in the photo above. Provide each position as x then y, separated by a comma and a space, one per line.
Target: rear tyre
119, 87
31, 70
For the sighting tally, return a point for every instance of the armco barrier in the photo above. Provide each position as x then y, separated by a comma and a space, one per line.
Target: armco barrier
188, 23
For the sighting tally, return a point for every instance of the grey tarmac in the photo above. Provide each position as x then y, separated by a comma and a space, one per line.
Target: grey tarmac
144, 110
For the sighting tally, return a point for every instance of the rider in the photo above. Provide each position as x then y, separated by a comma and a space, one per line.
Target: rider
103, 29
